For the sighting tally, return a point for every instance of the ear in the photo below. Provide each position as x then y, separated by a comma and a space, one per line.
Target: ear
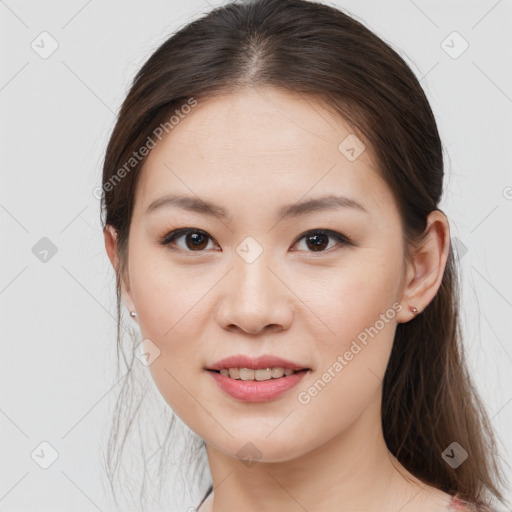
110, 235
425, 272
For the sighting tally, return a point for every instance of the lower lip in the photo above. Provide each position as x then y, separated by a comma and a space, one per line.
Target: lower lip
257, 391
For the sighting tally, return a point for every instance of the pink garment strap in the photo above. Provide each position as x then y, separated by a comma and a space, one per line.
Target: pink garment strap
456, 504
465, 506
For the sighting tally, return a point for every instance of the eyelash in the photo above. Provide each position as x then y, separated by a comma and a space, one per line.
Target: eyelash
170, 237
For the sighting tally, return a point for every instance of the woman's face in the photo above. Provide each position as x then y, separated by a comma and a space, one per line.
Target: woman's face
252, 283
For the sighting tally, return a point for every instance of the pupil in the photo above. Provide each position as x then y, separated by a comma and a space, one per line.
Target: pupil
318, 245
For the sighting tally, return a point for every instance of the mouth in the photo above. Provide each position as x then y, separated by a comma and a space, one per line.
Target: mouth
259, 374
256, 379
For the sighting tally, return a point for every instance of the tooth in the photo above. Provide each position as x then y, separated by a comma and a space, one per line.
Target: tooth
260, 374
263, 374
277, 372
246, 374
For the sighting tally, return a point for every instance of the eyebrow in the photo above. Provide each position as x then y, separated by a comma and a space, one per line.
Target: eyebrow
197, 205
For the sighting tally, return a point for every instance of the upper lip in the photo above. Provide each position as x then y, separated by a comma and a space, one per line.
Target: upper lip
254, 363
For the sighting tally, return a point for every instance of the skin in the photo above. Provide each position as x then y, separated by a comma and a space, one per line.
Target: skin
251, 152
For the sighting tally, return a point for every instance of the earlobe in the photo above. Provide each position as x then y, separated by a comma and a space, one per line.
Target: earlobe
425, 274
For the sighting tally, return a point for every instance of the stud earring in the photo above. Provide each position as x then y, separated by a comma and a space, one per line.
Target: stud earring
133, 314
413, 309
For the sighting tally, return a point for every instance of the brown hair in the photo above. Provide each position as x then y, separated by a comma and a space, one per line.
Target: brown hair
302, 47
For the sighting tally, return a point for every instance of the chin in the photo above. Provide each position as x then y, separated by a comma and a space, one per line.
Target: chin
254, 447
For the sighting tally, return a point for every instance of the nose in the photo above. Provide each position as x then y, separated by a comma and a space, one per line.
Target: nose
255, 299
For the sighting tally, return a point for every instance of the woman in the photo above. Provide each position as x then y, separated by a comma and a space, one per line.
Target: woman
271, 195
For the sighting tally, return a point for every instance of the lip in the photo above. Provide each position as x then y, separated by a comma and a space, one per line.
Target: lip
253, 363
257, 391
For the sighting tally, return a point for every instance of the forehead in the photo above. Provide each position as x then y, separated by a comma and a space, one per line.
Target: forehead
259, 144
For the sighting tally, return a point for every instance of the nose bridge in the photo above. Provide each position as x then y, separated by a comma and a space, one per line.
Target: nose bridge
254, 282
254, 297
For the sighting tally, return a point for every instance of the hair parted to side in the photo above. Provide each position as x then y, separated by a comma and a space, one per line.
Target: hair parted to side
313, 49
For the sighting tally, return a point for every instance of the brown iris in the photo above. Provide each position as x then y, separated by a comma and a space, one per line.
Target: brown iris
318, 243
198, 241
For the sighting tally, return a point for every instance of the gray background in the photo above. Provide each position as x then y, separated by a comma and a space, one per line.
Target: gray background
58, 366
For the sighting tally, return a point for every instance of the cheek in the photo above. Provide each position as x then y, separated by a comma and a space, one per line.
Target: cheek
168, 296
350, 375
354, 300
172, 314
360, 309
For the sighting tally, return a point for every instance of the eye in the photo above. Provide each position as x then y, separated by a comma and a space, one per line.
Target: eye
318, 239
196, 240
